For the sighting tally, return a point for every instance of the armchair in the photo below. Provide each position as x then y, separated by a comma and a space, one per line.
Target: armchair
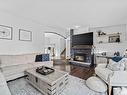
112, 78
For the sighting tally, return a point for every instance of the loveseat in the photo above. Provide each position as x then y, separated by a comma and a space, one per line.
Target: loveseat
13, 66
112, 78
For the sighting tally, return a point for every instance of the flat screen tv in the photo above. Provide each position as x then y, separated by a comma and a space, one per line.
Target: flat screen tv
82, 39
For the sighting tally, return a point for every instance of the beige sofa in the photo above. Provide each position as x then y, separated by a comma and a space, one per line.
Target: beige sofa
112, 78
13, 66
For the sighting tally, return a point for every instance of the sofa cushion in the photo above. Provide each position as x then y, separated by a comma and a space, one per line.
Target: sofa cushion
9, 60
103, 73
30, 57
11, 70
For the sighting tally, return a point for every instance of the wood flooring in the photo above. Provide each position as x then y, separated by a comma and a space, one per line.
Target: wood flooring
75, 70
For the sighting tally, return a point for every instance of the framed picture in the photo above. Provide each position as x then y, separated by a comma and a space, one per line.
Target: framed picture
114, 39
25, 35
6, 32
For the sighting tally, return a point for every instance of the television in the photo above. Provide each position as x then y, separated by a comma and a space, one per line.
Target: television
82, 39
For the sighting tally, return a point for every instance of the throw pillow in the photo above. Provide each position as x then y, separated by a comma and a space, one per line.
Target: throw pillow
116, 66
42, 57
45, 57
38, 58
124, 60
117, 58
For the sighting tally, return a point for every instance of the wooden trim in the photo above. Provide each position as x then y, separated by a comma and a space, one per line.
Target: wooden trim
57, 34
109, 90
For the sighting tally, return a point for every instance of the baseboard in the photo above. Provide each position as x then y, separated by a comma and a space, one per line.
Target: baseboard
17, 78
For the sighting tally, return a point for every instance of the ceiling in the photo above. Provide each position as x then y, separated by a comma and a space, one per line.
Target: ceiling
65, 14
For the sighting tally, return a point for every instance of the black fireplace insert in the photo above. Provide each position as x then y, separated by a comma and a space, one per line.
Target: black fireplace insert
82, 57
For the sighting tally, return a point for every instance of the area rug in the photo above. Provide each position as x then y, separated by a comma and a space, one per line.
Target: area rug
76, 86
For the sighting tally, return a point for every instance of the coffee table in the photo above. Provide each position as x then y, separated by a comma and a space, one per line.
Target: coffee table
52, 84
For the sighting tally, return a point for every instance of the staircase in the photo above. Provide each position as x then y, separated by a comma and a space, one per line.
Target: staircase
63, 54
59, 61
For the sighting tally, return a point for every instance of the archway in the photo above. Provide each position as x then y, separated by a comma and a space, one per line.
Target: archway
56, 34
55, 45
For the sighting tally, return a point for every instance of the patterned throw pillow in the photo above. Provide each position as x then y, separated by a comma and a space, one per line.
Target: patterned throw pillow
45, 57
116, 66
42, 57
117, 58
38, 58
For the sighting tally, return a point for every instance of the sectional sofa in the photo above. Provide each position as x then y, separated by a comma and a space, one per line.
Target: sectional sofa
13, 66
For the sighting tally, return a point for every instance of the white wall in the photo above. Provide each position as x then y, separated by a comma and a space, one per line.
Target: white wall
56, 42
15, 46
110, 48
81, 30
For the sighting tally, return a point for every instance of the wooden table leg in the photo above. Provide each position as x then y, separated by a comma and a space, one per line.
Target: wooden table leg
109, 90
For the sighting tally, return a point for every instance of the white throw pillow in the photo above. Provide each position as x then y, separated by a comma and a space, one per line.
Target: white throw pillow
123, 63
124, 60
116, 66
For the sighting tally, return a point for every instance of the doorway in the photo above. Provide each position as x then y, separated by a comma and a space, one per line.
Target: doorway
55, 45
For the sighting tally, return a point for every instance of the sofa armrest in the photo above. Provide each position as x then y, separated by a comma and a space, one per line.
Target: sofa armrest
102, 65
119, 78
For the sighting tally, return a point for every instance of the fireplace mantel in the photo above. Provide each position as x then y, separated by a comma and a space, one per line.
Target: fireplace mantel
80, 63
82, 47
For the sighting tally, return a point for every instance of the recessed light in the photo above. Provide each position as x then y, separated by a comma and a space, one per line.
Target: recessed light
77, 26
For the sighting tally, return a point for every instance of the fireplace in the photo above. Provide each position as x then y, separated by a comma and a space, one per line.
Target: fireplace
82, 55
81, 48
79, 57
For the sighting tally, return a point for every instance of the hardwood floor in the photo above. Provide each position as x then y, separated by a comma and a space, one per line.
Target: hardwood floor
78, 71
82, 72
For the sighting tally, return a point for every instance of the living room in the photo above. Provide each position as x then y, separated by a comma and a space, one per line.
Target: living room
81, 46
